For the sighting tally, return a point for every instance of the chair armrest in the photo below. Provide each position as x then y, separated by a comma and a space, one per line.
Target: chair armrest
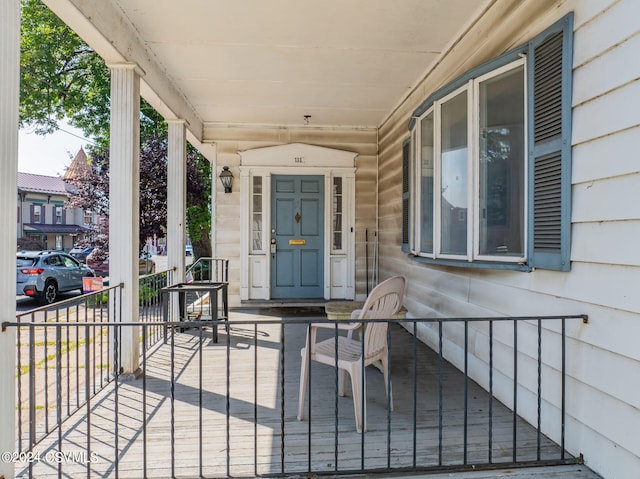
339, 325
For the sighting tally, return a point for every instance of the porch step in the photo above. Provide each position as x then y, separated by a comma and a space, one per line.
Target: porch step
577, 471
284, 303
285, 308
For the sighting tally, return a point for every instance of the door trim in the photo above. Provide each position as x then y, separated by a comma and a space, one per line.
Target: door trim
255, 270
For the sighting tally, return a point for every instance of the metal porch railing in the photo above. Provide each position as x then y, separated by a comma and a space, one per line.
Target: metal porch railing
208, 270
60, 369
227, 409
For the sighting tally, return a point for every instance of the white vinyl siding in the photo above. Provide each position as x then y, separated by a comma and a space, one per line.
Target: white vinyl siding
605, 263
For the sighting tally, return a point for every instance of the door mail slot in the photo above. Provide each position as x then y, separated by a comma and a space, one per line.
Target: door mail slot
297, 242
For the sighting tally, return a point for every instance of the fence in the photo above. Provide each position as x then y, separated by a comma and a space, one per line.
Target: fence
59, 370
228, 409
208, 270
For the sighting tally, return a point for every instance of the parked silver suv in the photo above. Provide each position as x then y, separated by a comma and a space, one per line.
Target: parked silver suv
44, 274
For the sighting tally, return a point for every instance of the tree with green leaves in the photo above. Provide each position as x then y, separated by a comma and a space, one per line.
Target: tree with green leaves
62, 77
92, 193
199, 202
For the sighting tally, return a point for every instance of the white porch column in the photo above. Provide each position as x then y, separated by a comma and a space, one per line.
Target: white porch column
124, 203
215, 181
176, 199
9, 95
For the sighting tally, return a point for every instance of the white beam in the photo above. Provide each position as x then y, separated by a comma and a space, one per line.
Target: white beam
176, 199
108, 32
124, 203
9, 95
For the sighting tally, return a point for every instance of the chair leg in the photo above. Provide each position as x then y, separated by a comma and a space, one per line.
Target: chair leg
359, 402
342, 378
304, 377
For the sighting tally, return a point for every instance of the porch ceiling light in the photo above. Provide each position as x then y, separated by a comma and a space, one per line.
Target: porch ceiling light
226, 178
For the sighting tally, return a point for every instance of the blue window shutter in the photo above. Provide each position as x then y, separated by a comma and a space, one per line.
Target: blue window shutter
406, 161
549, 58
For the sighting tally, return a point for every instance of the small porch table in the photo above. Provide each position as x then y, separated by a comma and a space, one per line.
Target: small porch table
203, 311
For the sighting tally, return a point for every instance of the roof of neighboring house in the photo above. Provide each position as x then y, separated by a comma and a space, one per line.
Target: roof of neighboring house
46, 228
79, 166
41, 184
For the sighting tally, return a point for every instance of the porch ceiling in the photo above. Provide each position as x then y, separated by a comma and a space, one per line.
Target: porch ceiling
271, 62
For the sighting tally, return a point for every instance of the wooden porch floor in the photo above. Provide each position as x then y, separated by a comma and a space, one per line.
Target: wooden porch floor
258, 414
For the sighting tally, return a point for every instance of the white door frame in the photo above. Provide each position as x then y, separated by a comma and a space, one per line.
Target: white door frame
297, 159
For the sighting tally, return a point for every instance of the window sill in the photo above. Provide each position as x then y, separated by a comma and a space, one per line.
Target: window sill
474, 265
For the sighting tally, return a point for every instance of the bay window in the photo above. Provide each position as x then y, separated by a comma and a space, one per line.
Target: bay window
488, 162
426, 183
453, 162
501, 164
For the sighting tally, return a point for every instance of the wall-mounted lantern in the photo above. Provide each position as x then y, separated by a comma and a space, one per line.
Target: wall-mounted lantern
226, 178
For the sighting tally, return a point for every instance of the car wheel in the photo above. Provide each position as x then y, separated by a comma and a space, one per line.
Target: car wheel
50, 292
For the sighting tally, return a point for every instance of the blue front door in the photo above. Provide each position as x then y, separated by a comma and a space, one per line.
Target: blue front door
297, 212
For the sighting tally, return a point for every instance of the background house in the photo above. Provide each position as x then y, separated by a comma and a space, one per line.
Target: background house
43, 213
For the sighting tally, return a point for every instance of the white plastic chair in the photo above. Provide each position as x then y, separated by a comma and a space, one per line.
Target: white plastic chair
384, 301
